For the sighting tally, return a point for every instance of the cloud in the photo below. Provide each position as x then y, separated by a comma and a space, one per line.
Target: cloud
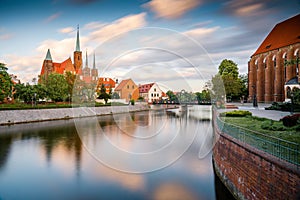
171, 9
66, 30
94, 25
6, 36
53, 17
119, 26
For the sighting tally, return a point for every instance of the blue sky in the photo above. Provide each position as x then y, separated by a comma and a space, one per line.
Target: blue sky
191, 37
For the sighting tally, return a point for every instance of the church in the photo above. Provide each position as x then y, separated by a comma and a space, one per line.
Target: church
85, 74
273, 70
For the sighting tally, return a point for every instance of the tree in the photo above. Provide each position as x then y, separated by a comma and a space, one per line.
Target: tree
103, 94
5, 83
172, 96
228, 78
56, 87
70, 78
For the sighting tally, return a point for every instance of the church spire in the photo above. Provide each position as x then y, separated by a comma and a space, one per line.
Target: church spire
86, 60
48, 55
94, 62
77, 40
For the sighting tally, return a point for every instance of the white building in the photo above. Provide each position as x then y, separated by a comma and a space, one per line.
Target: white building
150, 92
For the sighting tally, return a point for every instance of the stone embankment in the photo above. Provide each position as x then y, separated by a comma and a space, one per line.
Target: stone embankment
9, 117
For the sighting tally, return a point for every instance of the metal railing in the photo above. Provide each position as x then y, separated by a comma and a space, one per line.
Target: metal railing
285, 150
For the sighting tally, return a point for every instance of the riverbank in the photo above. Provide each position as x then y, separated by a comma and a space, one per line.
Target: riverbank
10, 117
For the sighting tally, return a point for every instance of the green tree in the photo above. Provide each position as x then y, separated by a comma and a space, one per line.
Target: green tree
56, 87
70, 78
5, 83
228, 78
172, 96
103, 94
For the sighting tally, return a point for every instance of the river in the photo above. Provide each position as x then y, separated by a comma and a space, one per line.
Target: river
144, 155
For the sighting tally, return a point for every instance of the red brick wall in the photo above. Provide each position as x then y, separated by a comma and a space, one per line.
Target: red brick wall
252, 174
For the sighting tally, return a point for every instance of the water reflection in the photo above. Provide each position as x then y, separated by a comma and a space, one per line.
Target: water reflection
49, 161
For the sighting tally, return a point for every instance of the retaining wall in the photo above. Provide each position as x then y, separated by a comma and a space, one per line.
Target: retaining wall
8, 117
253, 174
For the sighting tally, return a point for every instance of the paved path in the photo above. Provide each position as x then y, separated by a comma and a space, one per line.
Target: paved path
261, 112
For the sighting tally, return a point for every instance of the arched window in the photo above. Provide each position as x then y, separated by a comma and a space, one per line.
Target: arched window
297, 63
285, 60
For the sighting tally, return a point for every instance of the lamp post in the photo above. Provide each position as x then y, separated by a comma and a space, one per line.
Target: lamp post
254, 96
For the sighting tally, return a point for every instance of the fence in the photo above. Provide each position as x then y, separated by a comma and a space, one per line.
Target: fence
285, 150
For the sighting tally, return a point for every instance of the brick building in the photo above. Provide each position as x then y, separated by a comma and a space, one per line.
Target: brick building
86, 74
267, 69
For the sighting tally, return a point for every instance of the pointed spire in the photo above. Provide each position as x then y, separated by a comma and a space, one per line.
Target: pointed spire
94, 63
77, 40
48, 55
86, 60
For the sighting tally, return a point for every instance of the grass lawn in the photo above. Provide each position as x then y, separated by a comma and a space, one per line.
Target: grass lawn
267, 135
21, 106
267, 127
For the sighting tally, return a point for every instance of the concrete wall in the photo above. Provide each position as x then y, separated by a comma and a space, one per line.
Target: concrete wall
36, 115
253, 174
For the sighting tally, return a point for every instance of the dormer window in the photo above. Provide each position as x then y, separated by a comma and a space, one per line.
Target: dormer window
268, 46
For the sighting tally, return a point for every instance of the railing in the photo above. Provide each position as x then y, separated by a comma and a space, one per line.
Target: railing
285, 150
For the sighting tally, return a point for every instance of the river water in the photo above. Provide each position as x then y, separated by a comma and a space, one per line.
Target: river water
143, 155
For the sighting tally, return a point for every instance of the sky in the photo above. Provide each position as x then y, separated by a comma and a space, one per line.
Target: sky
176, 43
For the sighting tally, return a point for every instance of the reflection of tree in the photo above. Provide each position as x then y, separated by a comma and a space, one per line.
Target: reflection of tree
5, 143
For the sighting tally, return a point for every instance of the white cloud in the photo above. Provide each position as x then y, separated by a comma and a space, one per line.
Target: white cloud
94, 25
6, 36
119, 26
66, 30
171, 9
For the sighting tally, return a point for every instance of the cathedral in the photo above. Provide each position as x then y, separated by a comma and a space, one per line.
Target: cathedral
273, 70
85, 74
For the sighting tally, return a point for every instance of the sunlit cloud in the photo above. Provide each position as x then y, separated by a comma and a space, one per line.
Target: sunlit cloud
171, 9
53, 17
66, 30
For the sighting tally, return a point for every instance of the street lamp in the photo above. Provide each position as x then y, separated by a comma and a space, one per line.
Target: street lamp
254, 96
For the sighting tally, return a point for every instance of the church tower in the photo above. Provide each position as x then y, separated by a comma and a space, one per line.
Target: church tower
77, 53
48, 65
94, 70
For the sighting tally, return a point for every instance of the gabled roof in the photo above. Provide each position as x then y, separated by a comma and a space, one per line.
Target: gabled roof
121, 85
145, 88
283, 34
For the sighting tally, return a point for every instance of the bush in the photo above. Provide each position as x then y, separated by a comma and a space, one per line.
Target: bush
236, 113
132, 101
290, 120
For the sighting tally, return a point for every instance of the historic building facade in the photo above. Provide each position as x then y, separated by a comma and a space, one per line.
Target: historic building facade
275, 63
86, 74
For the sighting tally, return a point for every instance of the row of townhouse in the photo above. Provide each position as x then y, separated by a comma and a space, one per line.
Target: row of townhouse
128, 89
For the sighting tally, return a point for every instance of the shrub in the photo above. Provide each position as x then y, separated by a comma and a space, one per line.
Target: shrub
237, 113
132, 101
269, 125
290, 120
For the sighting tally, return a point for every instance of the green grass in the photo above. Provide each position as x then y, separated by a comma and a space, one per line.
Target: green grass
24, 106
266, 126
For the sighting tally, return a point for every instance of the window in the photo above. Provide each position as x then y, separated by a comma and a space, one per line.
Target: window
151, 94
127, 86
154, 89
297, 63
285, 60
133, 87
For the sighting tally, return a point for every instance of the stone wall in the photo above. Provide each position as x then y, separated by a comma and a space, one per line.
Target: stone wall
8, 117
253, 174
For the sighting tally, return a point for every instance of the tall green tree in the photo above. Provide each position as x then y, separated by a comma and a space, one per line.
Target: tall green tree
228, 78
56, 87
5, 83
103, 94
172, 96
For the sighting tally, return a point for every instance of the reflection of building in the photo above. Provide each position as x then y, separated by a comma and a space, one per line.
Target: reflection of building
127, 90
268, 70
108, 83
150, 92
86, 74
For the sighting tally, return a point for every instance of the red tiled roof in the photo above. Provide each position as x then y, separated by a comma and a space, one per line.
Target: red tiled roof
283, 34
121, 85
145, 88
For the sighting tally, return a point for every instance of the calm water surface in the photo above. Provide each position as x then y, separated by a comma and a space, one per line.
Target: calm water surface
50, 160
